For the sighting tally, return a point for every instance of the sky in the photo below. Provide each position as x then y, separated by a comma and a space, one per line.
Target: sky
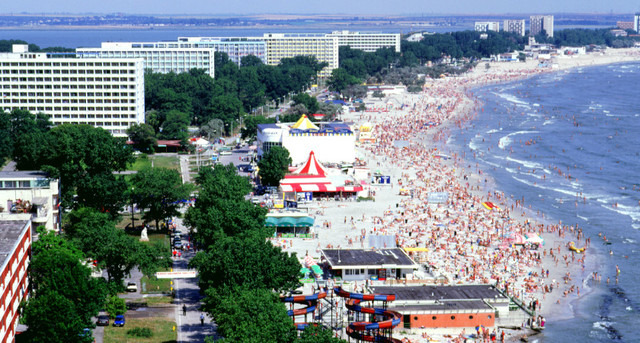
355, 7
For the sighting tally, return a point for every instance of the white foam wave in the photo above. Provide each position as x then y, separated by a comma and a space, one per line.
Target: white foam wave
493, 131
632, 211
628, 240
586, 219
548, 122
602, 325
528, 164
513, 99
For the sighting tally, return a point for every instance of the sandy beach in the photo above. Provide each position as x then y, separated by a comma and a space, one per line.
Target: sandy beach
467, 243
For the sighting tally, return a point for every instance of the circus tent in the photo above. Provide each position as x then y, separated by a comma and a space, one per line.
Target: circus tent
312, 177
304, 124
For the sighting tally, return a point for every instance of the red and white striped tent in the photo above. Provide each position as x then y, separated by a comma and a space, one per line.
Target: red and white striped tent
312, 177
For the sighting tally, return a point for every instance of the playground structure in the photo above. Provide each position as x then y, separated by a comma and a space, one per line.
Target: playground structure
374, 330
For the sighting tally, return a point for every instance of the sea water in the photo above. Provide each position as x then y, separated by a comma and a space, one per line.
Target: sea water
568, 143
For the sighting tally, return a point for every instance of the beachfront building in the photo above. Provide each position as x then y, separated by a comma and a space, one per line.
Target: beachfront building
369, 264
538, 23
235, 47
332, 142
101, 92
514, 25
636, 22
367, 41
288, 45
159, 57
31, 192
15, 253
484, 26
459, 306
624, 25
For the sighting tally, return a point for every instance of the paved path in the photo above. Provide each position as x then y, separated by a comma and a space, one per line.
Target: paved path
188, 294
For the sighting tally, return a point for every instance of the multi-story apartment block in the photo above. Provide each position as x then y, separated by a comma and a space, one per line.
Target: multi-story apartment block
286, 45
636, 22
367, 41
31, 192
484, 26
624, 25
159, 57
537, 23
515, 25
102, 92
235, 47
15, 253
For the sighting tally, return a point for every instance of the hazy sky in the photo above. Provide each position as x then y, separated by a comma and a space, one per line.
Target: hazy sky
355, 7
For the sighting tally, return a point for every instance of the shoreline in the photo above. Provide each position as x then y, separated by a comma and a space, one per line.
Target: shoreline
451, 102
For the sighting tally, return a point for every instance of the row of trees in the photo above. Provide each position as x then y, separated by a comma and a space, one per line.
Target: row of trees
582, 37
175, 101
240, 272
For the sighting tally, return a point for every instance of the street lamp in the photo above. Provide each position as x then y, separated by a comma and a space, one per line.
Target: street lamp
133, 223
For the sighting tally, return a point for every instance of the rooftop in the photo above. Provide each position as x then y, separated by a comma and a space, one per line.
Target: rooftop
430, 292
23, 174
10, 231
452, 305
383, 258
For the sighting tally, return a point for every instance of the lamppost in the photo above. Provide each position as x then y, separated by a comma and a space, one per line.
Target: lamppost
133, 222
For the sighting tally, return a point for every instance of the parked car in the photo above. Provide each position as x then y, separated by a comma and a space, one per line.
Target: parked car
177, 244
119, 321
223, 153
103, 321
132, 287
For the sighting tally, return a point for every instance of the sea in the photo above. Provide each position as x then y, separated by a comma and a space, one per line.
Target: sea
568, 142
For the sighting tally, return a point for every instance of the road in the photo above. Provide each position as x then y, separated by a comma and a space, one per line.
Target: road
187, 294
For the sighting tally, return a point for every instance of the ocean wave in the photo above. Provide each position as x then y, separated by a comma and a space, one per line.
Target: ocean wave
494, 131
528, 164
513, 99
586, 219
548, 122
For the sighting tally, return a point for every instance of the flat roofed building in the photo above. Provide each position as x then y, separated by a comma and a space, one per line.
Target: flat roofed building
366, 264
367, 41
15, 253
484, 26
31, 192
101, 92
538, 23
624, 25
459, 306
514, 25
288, 45
235, 47
159, 57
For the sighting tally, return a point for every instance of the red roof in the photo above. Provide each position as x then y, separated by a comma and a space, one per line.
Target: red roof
311, 167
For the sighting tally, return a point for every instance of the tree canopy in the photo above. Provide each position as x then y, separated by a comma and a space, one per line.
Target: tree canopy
274, 165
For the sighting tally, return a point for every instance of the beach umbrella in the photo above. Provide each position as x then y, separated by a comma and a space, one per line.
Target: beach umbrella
316, 269
305, 271
309, 261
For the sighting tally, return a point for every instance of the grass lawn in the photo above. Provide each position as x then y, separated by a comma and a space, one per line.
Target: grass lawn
158, 301
153, 285
144, 161
162, 329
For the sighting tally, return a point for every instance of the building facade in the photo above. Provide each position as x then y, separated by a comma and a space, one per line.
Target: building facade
514, 25
636, 22
102, 92
159, 57
288, 45
31, 192
235, 47
367, 41
624, 25
484, 26
15, 253
538, 23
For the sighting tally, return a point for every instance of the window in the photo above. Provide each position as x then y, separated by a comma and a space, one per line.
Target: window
453, 317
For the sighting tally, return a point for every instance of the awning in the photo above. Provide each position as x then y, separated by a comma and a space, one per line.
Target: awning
289, 222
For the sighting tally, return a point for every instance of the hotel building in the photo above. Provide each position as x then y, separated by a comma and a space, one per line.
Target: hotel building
484, 26
159, 57
367, 41
15, 253
288, 45
515, 26
537, 23
102, 92
33, 193
636, 22
235, 47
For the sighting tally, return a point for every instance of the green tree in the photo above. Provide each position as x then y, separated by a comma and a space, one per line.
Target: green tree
112, 190
115, 306
250, 61
250, 129
143, 137
158, 190
175, 126
51, 317
274, 165
340, 79
251, 91
307, 100
227, 108
251, 316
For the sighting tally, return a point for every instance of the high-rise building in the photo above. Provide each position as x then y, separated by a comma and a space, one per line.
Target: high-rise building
102, 92
624, 25
636, 22
235, 47
538, 23
367, 41
514, 25
287, 45
484, 26
15, 254
159, 57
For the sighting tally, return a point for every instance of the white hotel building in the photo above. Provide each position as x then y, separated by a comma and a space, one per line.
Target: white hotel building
159, 57
288, 45
367, 41
235, 47
102, 92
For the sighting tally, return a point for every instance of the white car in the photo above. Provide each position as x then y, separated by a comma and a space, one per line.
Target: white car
132, 287
223, 153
